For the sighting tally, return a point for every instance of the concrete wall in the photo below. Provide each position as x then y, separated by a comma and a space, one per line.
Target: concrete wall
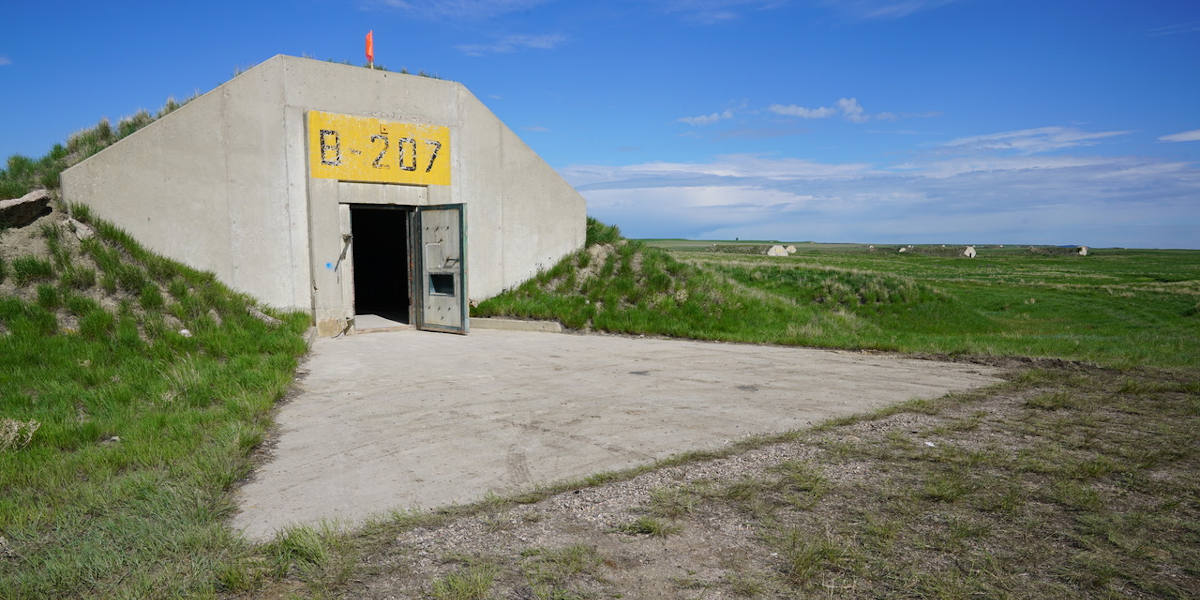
206, 185
222, 183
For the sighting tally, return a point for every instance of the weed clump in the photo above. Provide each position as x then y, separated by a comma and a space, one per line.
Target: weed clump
648, 526
27, 269
470, 583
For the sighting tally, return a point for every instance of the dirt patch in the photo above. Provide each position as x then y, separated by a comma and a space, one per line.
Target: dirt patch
71, 259
598, 254
17, 242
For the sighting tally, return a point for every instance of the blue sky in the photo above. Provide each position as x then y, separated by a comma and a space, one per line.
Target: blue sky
891, 121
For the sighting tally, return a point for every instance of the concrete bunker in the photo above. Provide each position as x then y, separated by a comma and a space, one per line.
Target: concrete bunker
367, 198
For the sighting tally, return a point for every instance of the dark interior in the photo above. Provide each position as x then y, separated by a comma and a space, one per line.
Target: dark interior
380, 262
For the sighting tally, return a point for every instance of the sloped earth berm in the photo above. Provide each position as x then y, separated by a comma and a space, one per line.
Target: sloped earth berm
408, 419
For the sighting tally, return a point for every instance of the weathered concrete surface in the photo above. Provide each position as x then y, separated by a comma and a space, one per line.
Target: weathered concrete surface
515, 324
414, 419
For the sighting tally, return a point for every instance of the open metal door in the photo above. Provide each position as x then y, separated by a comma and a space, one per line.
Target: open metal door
441, 244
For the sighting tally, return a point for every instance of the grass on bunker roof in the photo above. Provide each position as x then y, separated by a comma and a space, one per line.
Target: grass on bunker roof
120, 437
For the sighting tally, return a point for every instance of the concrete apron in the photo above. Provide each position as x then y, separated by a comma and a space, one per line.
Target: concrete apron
411, 419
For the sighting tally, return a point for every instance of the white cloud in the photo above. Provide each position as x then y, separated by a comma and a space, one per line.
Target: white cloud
1184, 136
849, 108
457, 9
512, 43
792, 110
707, 119
1031, 141
5, 61
852, 110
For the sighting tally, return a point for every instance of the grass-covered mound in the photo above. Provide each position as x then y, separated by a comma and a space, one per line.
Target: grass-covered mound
625, 286
134, 388
22, 173
1115, 307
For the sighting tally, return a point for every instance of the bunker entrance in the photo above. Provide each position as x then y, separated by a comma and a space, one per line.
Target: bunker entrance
382, 292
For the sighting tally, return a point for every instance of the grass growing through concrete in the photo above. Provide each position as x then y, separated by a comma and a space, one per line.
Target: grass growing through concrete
122, 488
1113, 307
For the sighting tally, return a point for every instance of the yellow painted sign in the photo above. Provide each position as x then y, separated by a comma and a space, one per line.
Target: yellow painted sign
365, 149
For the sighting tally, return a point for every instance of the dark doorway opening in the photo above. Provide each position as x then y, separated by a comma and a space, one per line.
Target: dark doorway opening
381, 279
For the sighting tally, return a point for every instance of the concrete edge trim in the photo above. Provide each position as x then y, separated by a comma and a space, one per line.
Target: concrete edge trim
515, 324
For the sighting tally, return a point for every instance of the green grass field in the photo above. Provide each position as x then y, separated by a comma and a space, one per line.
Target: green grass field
120, 436
1113, 307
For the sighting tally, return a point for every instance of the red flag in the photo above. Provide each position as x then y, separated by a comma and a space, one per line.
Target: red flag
371, 46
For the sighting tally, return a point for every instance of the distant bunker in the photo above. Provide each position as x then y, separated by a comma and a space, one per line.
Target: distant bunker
365, 197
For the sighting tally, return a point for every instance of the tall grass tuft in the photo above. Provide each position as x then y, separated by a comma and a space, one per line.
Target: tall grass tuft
27, 269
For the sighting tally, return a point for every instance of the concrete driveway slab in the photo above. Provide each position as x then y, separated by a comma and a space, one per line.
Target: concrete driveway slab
412, 419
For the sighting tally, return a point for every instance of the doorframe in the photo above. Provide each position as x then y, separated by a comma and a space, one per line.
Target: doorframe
414, 298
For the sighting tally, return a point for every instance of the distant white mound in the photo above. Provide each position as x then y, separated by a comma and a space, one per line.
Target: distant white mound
791, 249
969, 252
777, 250
1083, 250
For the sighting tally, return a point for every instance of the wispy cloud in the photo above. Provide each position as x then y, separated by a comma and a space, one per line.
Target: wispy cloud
1011, 199
849, 108
1176, 29
793, 110
723, 168
707, 119
1184, 136
891, 116
1032, 141
513, 43
5, 61
537, 129
455, 9
885, 9
710, 12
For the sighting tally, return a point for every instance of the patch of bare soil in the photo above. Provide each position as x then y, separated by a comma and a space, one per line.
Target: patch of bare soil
16, 242
31, 241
